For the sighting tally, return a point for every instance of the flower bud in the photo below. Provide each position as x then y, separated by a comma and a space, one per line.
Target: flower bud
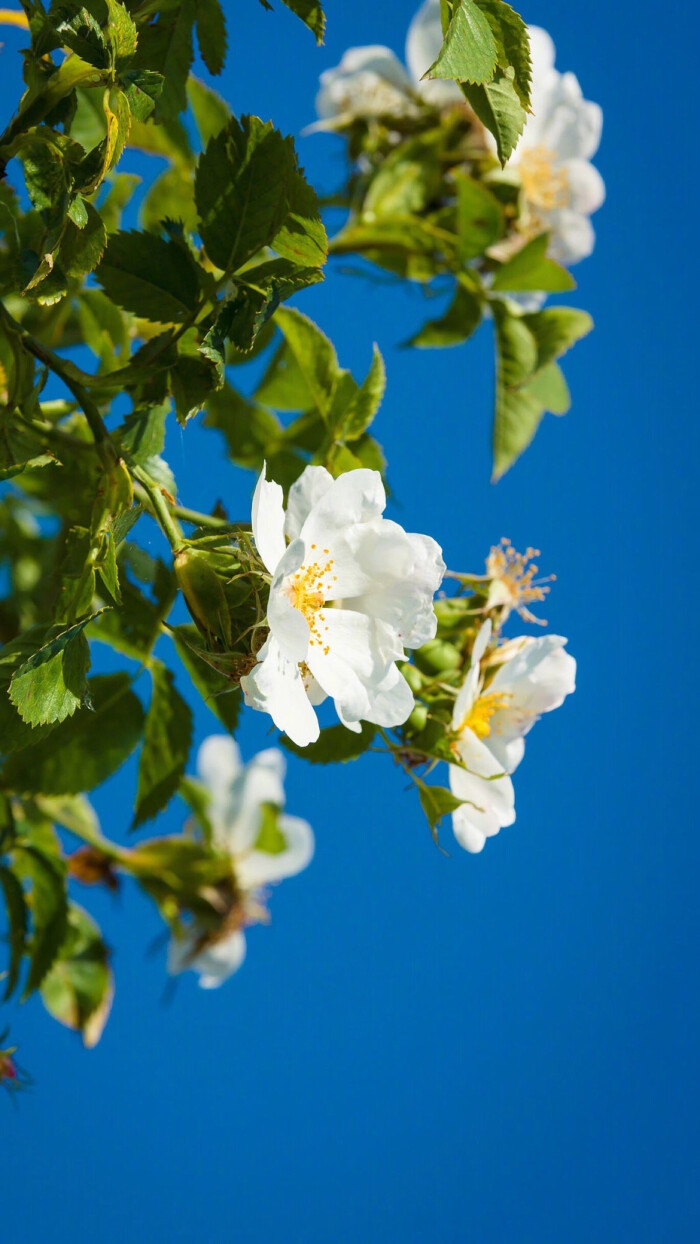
438, 656
204, 596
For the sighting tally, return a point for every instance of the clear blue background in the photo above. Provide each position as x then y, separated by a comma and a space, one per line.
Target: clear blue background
495, 1048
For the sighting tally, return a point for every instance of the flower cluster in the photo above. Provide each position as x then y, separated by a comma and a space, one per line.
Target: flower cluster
349, 593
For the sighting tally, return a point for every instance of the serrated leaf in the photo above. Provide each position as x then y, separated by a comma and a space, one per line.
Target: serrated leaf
239, 321
241, 188
142, 90
80, 31
52, 684
81, 248
211, 34
166, 746
314, 355
17, 922
556, 329
250, 430
518, 411
166, 47
531, 269
468, 52
498, 107
436, 802
334, 745
150, 276
49, 910
366, 402
121, 32
222, 696
550, 389
67, 761
461, 319
142, 434
302, 237
78, 989
311, 14
512, 43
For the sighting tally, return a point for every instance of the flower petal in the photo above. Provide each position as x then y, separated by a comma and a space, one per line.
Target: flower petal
573, 237
489, 805
260, 868
355, 497
369, 81
536, 680
406, 570
586, 186
268, 521
276, 686
215, 963
354, 654
262, 781
218, 765
304, 494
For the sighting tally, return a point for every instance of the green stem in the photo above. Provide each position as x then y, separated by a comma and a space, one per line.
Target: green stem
152, 492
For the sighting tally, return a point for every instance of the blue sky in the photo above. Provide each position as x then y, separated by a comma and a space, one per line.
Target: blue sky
495, 1048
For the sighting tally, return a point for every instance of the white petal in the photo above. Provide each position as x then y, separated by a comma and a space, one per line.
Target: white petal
508, 752
288, 625
304, 494
568, 124
489, 805
542, 51
268, 521
406, 570
585, 185
369, 81
481, 642
355, 497
537, 679
351, 654
275, 686
466, 696
260, 868
214, 964
572, 238
392, 702
262, 781
218, 764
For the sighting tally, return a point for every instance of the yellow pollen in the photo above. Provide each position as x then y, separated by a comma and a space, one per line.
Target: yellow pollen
517, 576
479, 718
545, 186
308, 591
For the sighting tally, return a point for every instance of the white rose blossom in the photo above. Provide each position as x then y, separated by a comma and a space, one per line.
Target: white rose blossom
533, 676
349, 593
238, 794
372, 82
560, 185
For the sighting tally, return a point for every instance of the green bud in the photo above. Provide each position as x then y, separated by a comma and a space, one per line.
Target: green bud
437, 656
418, 719
413, 677
204, 596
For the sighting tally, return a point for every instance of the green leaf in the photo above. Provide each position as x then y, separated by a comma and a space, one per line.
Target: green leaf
211, 112
68, 761
518, 409
142, 434
241, 190
52, 684
436, 802
550, 389
222, 696
498, 107
17, 920
150, 276
78, 989
556, 329
480, 217
367, 400
121, 32
211, 34
468, 52
270, 839
311, 14
166, 746
166, 47
82, 248
314, 355
512, 43
302, 237
142, 90
531, 269
81, 32
334, 745
239, 321
461, 319
406, 180
49, 909
171, 197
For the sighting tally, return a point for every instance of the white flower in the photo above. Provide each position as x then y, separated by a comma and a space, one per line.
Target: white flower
238, 794
348, 595
372, 82
368, 82
533, 676
423, 44
560, 185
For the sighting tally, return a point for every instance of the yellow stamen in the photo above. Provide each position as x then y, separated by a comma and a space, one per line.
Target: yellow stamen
546, 187
517, 578
308, 591
483, 709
